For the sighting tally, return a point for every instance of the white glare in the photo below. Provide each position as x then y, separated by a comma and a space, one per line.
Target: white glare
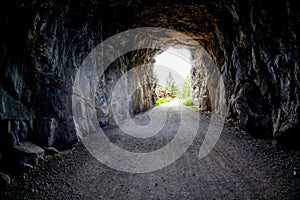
176, 61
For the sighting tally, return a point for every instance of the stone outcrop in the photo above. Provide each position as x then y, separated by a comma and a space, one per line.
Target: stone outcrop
29, 153
253, 43
42, 46
260, 64
14, 145
140, 100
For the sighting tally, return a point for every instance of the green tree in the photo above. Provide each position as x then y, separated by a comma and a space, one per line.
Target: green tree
158, 85
186, 89
171, 84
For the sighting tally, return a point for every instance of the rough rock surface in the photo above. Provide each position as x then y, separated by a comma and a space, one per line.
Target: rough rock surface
255, 46
261, 64
40, 61
253, 43
140, 100
29, 153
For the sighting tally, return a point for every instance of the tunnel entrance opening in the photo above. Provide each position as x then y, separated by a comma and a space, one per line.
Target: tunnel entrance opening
172, 72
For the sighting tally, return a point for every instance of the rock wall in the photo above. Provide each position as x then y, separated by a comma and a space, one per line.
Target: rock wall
255, 46
136, 101
199, 82
43, 43
261, 64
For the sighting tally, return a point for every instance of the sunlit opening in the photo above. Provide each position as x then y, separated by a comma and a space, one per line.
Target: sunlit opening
172, 73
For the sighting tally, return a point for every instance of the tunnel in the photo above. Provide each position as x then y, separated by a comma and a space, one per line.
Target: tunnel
70, 69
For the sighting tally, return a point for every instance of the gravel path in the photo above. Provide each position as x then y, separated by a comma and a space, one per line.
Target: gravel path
239, 167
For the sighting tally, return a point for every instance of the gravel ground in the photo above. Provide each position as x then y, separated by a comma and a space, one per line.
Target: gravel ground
239, 167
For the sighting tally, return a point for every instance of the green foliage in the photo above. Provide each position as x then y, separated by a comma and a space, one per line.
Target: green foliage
186, 90
190, 103
171, 85
163, 100
196, 107
157, 80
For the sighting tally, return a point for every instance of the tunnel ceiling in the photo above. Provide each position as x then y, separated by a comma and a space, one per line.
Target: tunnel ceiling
192, 19
254, 44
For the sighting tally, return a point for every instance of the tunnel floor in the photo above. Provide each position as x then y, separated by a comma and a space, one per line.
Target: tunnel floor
239, 167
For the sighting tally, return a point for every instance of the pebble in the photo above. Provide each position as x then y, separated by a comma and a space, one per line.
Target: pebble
296, 171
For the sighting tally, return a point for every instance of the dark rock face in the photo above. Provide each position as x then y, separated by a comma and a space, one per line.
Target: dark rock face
29, 153
142, 99
261, 64
255, 46
42, 44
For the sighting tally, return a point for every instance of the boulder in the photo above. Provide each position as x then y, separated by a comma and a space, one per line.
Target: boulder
29, 153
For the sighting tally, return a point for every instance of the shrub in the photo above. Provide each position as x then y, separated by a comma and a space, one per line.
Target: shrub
163, 100
188, 102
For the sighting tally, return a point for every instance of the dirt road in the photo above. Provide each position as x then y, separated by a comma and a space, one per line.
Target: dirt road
238, 167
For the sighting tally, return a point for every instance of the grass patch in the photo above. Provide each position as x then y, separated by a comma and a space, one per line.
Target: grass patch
196, 107
163, 100
190, 103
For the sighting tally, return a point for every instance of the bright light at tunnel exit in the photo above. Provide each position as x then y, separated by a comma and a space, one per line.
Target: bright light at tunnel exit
176, 61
